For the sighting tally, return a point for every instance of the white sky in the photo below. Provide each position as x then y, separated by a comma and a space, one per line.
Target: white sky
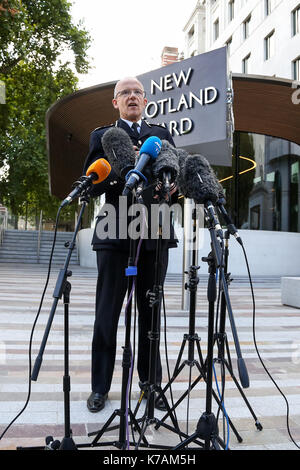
129, 36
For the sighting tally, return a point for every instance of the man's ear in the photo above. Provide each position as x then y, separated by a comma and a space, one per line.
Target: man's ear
115, 104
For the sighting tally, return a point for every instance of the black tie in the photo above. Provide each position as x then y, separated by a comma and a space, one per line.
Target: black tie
134, 129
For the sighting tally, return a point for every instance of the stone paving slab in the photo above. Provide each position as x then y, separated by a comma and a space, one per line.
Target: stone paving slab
277, 332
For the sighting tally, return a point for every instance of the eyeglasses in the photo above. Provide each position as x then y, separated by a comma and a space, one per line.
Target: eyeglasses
125, 93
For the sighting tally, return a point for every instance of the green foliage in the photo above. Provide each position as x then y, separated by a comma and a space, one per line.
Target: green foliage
35, 36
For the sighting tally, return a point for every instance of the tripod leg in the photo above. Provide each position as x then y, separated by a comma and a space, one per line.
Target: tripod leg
257, 422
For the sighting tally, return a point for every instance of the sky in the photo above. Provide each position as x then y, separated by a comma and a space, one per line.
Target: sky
129, 36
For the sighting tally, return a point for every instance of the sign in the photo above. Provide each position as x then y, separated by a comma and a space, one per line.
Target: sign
190, 98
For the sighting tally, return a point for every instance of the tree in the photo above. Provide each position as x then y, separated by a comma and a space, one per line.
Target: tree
34, 36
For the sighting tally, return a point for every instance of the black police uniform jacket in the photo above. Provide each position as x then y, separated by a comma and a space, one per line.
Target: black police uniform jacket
113, 187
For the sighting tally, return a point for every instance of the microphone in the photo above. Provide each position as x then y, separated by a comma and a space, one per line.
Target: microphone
119, 150
197, 181
166, 167
97, 172
148, 151
230, 225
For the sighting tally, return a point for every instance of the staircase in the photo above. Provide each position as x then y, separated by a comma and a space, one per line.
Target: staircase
21, 246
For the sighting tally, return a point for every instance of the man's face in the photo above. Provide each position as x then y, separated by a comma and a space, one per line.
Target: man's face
129, 99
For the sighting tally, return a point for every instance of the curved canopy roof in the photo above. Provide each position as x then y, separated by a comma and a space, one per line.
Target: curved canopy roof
262, 105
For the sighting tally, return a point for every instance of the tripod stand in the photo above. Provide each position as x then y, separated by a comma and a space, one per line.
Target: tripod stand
207, 427
192, 339
123, 412
154, 336
221, 338
62, 288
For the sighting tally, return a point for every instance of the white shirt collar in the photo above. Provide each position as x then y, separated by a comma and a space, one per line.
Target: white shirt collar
139, 123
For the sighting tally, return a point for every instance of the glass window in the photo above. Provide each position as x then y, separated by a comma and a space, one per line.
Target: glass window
230, 10
296, 69
270, 45
246, 27
296, 21
262, 186
245, 64
216, 30
228, 45
268, 6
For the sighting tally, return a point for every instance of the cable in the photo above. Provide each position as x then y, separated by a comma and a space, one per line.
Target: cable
167, 359
259, 356
33, 328
221, 396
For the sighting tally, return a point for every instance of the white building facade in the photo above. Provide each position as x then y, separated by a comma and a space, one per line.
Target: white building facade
262, 36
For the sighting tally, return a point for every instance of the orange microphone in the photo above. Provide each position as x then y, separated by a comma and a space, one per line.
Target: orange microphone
97, 172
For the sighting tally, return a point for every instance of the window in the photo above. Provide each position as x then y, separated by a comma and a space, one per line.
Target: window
296, 21
230, 10
269, 45
191, 33
216, 29
296, 69
246, 27
268, 7
245, 64
228, 44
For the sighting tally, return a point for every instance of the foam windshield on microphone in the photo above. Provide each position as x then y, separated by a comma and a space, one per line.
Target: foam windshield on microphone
197, 180
119, 150
166, 163
99, 170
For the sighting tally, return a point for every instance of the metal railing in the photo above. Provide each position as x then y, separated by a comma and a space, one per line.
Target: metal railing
3, 226
39, 236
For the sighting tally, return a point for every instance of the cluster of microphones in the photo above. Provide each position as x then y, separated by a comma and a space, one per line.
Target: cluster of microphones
158, 160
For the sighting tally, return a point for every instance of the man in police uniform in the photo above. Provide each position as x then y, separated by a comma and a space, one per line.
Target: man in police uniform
112, 254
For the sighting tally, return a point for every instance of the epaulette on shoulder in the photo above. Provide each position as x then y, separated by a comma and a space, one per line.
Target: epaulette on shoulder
151, 124
103, 127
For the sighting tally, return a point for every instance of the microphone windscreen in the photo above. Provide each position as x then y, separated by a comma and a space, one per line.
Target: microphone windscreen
151, 146
167, 161
182, 155
102, 169
119, 150
198, 180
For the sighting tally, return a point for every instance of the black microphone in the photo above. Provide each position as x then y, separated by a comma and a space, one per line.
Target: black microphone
166, 167
230, 225
149, 151
119, 150
97, 172
197, 181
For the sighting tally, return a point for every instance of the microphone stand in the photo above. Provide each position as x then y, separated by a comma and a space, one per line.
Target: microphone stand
207, 427
62, 288
151, 386
131, 273
221, 337
192, 338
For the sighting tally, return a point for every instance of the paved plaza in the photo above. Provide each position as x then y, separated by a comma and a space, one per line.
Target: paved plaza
277, 332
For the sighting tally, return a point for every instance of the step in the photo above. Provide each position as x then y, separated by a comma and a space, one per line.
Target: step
21, 245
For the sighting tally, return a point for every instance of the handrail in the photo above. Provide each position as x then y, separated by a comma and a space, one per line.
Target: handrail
39, 236
3, 225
